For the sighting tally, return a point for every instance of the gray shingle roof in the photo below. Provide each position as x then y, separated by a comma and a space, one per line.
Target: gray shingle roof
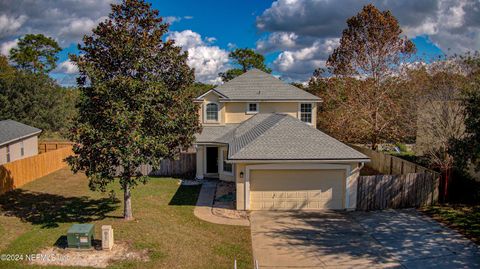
258, 85
215, 134
11, 130
282, 137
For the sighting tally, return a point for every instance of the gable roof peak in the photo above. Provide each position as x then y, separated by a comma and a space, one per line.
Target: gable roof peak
258, 85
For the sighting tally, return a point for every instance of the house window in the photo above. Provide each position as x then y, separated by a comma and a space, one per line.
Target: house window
212, 112
8, 153
227, 167
306, 112
252, 108
22, 149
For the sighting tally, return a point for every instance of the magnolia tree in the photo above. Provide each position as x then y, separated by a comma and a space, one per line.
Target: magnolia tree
135, 104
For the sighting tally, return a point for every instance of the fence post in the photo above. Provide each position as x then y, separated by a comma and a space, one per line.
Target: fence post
391, 164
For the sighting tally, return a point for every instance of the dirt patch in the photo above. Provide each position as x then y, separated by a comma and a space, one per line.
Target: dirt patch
89, 257
225, 201
225, 195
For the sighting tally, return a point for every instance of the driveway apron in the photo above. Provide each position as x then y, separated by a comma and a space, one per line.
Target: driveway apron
336, 239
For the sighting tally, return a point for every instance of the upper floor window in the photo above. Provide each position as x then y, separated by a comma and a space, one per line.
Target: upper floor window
306, 112
212, 112
252, 108
22, 149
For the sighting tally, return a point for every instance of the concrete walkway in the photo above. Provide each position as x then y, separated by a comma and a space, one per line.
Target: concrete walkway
203, 209
381, 239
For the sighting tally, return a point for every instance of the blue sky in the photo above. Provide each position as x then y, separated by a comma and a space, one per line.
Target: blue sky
296, 36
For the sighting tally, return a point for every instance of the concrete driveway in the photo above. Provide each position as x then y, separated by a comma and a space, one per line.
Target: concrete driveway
393, 238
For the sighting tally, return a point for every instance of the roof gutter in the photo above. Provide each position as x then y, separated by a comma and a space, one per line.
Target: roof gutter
20, 138
301, 161
271, 100
209, 143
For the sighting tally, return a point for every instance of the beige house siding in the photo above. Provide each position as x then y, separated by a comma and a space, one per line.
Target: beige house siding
212, 98
236, 112
240, 183
352, 182
200, 151
3, 154
201, 164
30, 146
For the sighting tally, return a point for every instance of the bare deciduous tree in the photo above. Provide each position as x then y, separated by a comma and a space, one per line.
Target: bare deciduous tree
440, 115
373, 49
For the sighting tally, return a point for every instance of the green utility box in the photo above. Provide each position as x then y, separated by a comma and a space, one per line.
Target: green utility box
80, 236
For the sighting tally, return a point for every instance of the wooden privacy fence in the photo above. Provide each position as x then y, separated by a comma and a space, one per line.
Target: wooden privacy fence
185, 166
20, 172
388, 164
46, 146
397, 191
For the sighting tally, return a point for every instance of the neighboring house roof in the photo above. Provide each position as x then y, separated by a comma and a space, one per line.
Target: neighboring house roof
270, 137
260, 86
11, 131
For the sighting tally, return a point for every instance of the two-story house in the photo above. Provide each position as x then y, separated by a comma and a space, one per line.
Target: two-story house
260, 133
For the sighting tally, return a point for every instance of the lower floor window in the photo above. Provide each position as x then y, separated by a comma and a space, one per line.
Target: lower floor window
227, 167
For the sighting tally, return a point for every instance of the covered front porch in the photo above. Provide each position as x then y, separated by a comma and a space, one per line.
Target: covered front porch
211, 162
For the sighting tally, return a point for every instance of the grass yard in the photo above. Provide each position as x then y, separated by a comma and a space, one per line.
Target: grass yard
37, 215
463, 218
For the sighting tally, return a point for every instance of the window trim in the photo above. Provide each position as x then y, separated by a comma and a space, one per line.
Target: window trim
248, 111
224, 154
205, 119
300, 112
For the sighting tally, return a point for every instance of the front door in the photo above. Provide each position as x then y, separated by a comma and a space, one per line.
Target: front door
212, 160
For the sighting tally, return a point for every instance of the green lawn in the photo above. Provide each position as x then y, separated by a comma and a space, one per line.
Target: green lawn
463, 218
37, 215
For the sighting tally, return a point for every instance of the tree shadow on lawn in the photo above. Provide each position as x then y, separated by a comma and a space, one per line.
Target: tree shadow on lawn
186, 195
48, 210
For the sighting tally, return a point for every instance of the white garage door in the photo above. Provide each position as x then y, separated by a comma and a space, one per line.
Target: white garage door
296, 189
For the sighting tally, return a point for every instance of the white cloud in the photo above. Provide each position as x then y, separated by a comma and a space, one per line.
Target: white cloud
7, 46
295, 28
299, 64
64, 20
78, 26
207, 60
171, 19
186, 39
210, 39
67, 67
277, 41
10, 24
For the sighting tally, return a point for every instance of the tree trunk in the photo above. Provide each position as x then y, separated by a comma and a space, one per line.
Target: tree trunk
374, 133
446, 176
127, 203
